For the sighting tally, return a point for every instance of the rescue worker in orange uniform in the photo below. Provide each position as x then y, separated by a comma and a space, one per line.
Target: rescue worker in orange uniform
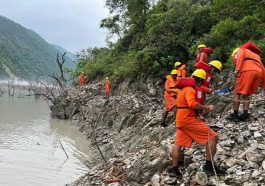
170, 95
82, 79
181, 69
201, 91
203, 53
216, 67
250, 73
234, 55
190, 128
107, 87
198, 56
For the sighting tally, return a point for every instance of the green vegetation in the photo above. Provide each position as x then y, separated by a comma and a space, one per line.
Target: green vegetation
25, 53
152, 36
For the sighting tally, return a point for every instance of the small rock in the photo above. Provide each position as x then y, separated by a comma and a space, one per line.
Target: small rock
257, 135
105, 141
240, 139
222, 136
231, 162
114, 184
155, 180
253, 128
246, 134
232, 170
261, 146
263, 165
219, 124
170, 181
239, 173
190, 152
250, 184
201, 178
256, 173
143, 151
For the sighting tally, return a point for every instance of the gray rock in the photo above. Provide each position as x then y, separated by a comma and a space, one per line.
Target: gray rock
201, 178
261, 146
257, 135
155, 180
256, 173
114, 184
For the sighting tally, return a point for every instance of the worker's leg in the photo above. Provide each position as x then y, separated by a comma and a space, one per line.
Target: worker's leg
236, 102
175, 155
164, 118
182, 139
246, 102
211, 148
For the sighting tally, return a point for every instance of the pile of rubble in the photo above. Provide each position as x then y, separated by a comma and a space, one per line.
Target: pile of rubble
136, 150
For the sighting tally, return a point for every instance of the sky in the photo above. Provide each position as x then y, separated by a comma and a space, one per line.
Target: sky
71, 24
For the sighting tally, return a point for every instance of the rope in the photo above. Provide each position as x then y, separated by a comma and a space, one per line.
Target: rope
216, 177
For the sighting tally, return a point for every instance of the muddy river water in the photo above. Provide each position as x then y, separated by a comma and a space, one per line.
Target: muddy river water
30, 151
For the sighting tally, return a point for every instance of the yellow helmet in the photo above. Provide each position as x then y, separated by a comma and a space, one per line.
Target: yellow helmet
177, 64
174, 72
107, 78
201, 46
217, 64
200, 73
234, 52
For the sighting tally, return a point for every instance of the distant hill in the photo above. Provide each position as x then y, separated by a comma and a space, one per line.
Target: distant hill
24, 54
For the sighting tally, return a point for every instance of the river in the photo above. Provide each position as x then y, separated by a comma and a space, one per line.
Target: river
30, 151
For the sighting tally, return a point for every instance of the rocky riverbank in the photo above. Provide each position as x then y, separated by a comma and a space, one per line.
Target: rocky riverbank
136, 149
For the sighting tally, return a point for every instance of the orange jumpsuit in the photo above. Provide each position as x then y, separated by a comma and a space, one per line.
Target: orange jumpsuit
170, 97
189, 128
202, 57
182, 72
81, 79
107, 87
251, 72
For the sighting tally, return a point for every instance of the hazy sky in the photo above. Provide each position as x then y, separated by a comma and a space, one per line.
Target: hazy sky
72, 24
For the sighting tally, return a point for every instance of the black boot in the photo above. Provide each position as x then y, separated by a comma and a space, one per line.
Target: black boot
164, 118
208, 169
182, 156
234, 117
174, 172
244, 116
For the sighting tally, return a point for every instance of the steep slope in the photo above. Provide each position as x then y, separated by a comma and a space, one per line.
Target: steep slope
24, 53
126, 129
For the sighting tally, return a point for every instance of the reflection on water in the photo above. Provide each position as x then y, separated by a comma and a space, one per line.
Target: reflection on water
30, 152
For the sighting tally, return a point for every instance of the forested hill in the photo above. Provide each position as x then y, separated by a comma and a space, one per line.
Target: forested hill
24, 53
153, 35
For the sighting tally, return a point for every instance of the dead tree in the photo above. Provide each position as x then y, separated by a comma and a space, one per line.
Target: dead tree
55, 85
60, 64
11, 88
60, 79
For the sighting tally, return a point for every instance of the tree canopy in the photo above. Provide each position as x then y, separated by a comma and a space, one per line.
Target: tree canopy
152, 35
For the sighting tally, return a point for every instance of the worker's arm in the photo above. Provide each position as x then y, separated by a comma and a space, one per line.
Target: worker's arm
172, 90
240, 60
204, 107
207, 90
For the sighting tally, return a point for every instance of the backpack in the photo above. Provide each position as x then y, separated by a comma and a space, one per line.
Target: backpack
185, 82
207, 50
252, 46
202, 65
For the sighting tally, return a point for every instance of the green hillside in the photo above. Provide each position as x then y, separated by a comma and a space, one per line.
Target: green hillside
24, 52
153, 35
